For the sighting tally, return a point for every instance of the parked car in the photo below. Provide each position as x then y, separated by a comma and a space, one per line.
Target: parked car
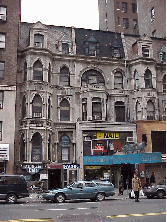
80, 190
158, 190
13, 187
103, 182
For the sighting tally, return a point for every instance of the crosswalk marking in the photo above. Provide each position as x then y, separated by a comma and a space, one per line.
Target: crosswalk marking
29, 220
137, 215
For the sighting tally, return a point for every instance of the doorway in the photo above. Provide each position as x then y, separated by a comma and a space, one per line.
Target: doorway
54, 178
127, 170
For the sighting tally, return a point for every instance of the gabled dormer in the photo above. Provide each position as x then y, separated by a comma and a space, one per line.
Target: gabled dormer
143, 47
38, 35
65, 44
116, 49
91, 46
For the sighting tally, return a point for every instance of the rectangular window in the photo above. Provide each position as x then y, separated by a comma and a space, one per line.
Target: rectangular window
154, 33
65, 154
124, 6
38, 40
1, 99
125, 23
2, 41
65, 48
1, 69
118, 20
2, 13
135, 23
145, 51
96, 109
134, 8
118, 6
1, 131
152, 14
84, 109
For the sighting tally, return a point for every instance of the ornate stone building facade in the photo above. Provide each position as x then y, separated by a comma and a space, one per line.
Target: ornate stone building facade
79, 94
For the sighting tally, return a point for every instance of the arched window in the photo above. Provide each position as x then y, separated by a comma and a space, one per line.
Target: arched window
92, 77
138, 111
148, 78
38, 71
150, 111
36, 148
136, 75
164, 83
24, 107
64, 76
22, 148
64, 110
65, 143
120, 111
49, 73
25, 71
37, 106
118, 80
49, 148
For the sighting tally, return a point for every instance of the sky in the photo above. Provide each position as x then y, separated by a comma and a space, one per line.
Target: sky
77, 13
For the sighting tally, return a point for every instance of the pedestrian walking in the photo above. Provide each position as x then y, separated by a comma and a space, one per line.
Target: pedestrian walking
121, 185
152, 178
136, 185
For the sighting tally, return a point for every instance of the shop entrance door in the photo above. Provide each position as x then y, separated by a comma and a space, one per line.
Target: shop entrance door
54, 178
127, 170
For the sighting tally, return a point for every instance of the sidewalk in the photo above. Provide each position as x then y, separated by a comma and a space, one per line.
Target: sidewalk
125, 194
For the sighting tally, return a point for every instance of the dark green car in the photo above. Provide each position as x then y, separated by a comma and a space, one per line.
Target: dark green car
80, 190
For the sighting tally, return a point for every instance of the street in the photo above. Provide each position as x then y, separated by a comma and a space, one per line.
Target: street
116, 208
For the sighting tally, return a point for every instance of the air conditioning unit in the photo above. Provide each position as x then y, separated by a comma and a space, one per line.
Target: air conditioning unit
129, 139
163, 117
37, 114
38, 44
1, 106
2, 17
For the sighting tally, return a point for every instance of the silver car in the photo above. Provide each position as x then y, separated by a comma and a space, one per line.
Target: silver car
158, 190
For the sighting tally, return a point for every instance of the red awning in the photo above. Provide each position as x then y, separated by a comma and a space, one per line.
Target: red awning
55, 166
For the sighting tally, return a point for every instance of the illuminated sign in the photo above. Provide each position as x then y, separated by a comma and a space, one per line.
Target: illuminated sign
102, 135
32, 168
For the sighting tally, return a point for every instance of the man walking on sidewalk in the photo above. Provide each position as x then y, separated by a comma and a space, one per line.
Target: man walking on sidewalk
136, 186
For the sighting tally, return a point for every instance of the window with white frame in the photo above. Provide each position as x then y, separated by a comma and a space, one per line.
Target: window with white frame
125, 23
118, 80
135, 23
150, 111
1, 99
120, 111
148, 78
3, 13
84, 109
136, 84
2, 41
38, 71
0, 130
64, 110
124, 6
164, 83
64, 76
145, 51
138, 111
37, 106
38, 40
65, 142
96, 108
92, 77
2, 67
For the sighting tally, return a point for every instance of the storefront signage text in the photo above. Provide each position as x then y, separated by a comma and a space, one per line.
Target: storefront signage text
107, 135
71, 166
32, 168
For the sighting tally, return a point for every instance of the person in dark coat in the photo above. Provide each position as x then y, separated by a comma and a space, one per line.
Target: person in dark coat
121, 185
152, 178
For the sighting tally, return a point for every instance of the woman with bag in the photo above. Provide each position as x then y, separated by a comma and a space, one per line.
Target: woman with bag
136, 185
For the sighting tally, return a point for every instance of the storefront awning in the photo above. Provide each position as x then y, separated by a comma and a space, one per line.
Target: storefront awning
55, 166
138, 158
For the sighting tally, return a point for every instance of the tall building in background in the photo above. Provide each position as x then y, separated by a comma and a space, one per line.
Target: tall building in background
118, 16
9, 27
152, 18
136, 17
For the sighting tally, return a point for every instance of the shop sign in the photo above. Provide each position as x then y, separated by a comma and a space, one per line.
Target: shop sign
98, 160
71, 166
32, 168
93, 167
4, 152
104, 135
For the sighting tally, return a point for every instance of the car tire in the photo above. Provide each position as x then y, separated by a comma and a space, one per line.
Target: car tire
100, 196
11, 198
59, 198
160, 194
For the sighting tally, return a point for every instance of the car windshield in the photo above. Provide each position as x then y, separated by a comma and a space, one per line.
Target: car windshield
163, 182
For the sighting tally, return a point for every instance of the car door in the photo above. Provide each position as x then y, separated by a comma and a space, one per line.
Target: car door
75, 191
90, 190
3, 188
